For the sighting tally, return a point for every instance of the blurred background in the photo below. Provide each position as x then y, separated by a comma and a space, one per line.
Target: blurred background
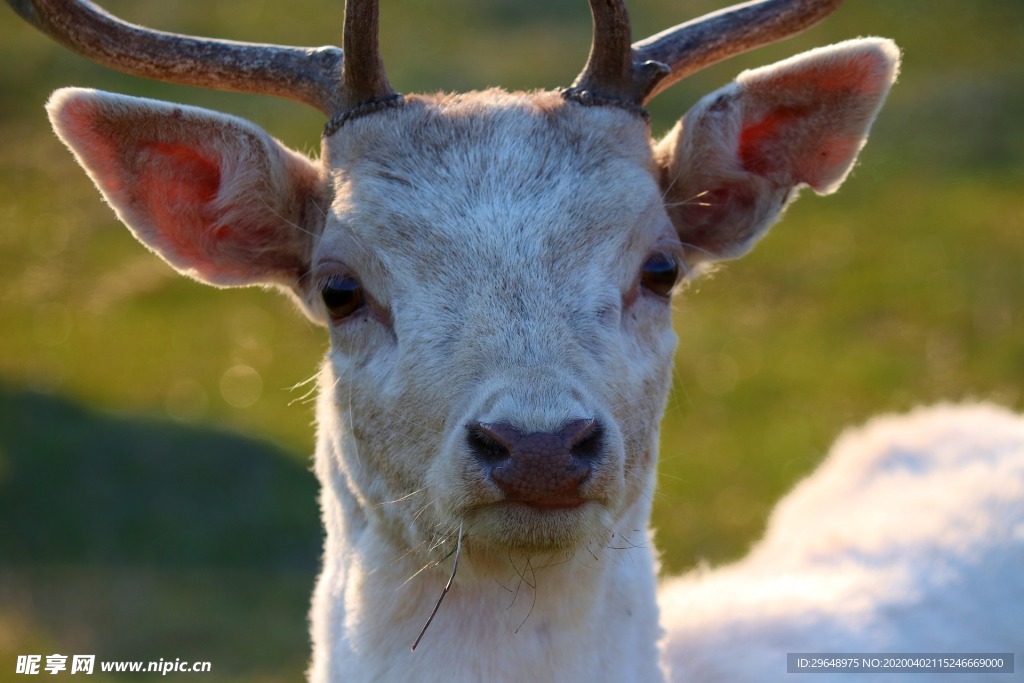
155, 495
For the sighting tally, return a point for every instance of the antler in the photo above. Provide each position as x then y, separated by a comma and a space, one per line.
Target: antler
615, 70
633, 75
612, 72
363, 71
313, 76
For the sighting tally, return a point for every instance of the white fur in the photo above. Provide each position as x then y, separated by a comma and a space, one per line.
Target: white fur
499, 240
909, 538
398, 482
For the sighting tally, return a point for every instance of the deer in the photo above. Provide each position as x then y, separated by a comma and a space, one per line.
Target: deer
495, 271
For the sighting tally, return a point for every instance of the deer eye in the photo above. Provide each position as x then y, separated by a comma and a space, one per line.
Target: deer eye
342, 296
660, 274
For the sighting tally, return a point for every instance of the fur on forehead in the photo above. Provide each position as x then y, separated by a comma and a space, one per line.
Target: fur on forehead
511, 165
425, 122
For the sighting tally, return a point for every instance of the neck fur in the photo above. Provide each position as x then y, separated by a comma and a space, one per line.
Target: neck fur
581, 615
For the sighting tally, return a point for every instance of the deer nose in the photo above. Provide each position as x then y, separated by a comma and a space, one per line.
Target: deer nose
543, 469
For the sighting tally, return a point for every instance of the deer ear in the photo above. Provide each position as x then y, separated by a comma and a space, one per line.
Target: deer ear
731, 165
215, 196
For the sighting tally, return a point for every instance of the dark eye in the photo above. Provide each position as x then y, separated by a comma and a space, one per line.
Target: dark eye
660, 274
342, 296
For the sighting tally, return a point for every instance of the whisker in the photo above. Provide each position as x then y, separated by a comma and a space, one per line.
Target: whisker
692, 201
399, 500
515, 594
533, 604
318, 208
285, 220
310, 393
429, 565
426, 506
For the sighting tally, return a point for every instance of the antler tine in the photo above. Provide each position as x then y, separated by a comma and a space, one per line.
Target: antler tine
308, 75
631, 75
608, 71
612, 75
697, 44
363, 76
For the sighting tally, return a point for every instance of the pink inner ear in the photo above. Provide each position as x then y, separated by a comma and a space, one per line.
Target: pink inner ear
198, 178
812, 144
217, 198
787, 144
757, 139
178, 183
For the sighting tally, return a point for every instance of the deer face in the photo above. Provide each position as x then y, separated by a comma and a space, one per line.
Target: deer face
504, 342
494, 270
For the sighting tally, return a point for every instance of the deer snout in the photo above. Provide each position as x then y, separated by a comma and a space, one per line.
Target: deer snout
542, 469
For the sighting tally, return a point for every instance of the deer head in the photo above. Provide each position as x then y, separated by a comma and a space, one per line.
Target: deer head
495, 269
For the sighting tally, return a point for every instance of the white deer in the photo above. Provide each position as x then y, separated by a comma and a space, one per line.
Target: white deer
495, 270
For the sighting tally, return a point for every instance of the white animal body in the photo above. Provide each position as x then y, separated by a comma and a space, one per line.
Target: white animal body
495, 271
909, 538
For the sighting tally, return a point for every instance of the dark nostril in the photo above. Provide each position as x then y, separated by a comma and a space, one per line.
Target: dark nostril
493, 441
589, 445
540, 467
485, 444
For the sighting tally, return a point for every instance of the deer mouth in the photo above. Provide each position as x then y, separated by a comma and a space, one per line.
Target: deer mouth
548, 524
540, 489
563, 503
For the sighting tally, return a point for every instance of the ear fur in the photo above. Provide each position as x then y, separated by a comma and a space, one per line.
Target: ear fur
214, 195
733, 163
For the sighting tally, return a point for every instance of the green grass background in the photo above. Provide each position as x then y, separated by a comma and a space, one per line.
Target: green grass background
143, 515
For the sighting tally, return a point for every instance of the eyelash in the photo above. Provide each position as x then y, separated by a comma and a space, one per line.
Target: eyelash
660, 274
342, 296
